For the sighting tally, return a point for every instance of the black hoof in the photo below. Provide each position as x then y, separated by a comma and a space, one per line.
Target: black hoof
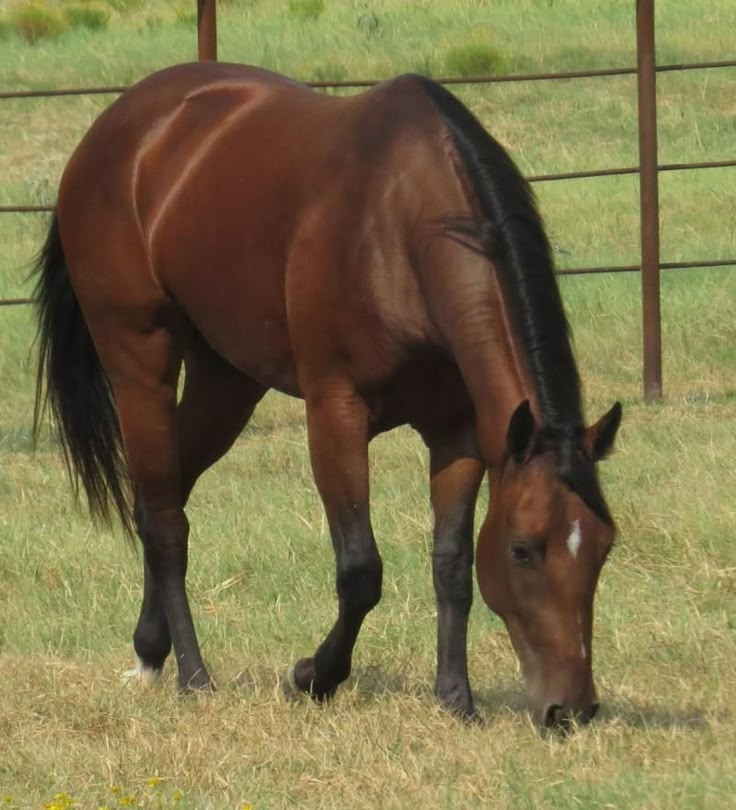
459, 704
467, 714
472, 717
198, 683
301, 679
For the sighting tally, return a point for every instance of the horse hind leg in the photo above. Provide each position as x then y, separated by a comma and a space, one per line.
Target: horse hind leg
216, 404
143, 368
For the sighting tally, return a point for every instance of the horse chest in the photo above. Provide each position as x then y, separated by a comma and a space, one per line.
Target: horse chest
427, 393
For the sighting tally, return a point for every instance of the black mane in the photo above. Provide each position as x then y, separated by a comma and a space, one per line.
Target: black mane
511, 230
510, 233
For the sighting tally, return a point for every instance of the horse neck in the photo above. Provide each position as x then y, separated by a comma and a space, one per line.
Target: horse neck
465, 301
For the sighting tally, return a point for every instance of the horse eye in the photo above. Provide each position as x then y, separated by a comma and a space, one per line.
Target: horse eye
526, 552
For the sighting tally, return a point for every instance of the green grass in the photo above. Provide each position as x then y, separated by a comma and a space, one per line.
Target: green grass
261, 565
474, 59
35, 22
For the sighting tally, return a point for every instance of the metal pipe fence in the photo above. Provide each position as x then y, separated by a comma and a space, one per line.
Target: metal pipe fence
648, 168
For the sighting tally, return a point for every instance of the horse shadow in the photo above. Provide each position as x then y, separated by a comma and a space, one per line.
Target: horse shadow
370, 684
650, 716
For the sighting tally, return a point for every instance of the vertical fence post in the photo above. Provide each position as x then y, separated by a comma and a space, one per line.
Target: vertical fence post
207, 30
649, 200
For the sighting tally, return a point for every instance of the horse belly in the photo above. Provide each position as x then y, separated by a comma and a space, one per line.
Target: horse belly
242, 317
231, 288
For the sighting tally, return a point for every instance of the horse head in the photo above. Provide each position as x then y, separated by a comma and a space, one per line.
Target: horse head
540, 552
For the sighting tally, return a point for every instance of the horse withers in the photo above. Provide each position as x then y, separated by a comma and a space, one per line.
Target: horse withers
379, 256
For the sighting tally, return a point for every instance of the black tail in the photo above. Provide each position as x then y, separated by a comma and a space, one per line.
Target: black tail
72, 381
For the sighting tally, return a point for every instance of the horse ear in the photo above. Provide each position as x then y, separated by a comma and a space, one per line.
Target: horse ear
599, 438
521, 432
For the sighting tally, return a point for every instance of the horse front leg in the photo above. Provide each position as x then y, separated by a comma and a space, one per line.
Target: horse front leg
337, 421
455, 472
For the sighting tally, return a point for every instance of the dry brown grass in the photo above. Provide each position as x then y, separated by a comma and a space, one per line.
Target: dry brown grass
261, 585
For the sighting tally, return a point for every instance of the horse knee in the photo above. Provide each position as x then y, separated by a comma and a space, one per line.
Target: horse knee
453, 576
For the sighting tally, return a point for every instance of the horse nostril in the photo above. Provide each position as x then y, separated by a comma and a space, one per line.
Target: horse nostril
564, 718
553, 715
584, 717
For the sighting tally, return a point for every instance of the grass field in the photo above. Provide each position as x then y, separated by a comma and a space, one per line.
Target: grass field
261, 565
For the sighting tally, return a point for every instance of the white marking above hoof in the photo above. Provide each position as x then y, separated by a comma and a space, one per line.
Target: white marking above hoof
142, 674
289, 687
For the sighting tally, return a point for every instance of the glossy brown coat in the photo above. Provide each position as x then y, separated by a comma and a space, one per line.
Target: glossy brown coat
266, 236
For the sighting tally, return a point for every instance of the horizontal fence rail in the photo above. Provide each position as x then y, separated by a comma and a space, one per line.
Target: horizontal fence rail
663, 167
455, 80
518, 77
561, 271
532, 178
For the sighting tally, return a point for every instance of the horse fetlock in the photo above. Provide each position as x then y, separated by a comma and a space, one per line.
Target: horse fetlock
456, 698
152, 645
143, 674
359, 586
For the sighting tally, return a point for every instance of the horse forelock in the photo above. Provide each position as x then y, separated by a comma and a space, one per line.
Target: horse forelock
579, 473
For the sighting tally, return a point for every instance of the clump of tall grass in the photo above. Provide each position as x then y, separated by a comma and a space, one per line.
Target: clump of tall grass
93, 16
369, 23
330, 71
123, 6
474, 59
5, 27
37, 21
186, 17
306, 9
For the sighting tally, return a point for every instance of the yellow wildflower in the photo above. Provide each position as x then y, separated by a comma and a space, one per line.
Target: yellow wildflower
153, 781
177, 795
61, 801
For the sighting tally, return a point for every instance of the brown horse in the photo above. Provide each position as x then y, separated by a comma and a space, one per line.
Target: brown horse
379, 256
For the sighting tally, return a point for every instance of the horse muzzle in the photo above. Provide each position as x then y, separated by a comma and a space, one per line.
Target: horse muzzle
556, 717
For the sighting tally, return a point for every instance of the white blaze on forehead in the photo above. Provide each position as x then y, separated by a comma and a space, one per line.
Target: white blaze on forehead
574, 539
